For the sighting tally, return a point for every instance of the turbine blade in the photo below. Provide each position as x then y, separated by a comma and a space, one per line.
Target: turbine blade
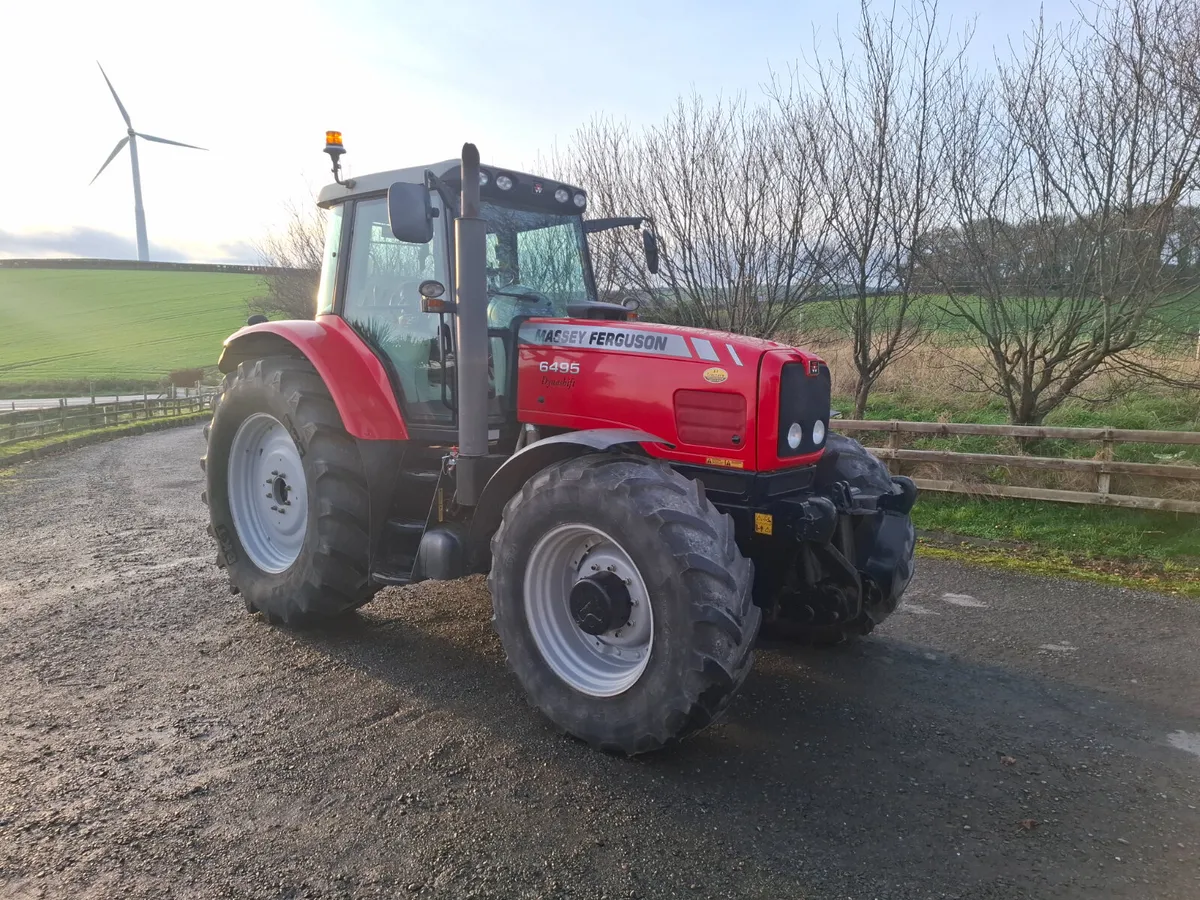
159, 140
117, 149
120, 105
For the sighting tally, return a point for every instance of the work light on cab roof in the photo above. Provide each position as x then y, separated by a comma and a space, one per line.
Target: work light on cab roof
465, 400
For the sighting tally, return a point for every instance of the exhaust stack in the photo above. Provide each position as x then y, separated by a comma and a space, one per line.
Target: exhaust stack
470, 273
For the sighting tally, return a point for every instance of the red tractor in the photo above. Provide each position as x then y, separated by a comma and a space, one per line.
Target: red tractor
643, 496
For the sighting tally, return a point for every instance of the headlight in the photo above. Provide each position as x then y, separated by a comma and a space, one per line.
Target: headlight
580, 200
504, 182
562, 195
483, 178
819, 432
795, 435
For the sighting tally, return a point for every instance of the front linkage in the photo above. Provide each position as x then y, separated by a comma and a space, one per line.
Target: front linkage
832, 545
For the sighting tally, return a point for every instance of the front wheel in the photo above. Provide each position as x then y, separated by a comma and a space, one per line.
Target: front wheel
622, 601
287, 496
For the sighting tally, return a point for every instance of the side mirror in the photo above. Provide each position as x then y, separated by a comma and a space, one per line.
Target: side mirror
410, 213
650, 246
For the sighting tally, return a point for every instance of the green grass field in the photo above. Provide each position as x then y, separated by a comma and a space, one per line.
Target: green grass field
65, 327
940, 315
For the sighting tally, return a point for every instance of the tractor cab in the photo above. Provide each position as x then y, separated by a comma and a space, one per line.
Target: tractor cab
537, 265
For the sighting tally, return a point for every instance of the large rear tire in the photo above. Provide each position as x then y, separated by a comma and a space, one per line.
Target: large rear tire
658, 639
287, 497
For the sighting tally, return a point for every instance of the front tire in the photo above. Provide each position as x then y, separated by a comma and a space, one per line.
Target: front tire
659, 638
288, 502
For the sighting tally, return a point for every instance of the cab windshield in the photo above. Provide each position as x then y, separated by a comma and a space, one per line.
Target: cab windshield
536, 263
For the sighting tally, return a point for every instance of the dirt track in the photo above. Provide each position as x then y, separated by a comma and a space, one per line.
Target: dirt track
155, 741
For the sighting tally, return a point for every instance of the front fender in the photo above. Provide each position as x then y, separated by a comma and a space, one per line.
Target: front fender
356, 379
521, 466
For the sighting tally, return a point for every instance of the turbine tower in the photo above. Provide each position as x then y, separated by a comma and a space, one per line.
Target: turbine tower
130, 138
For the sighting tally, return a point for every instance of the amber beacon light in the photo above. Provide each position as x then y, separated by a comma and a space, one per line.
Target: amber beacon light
333, 146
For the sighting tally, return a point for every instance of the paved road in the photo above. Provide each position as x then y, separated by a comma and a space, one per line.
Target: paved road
157, 742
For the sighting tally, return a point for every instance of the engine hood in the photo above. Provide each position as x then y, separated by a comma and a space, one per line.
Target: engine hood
715, 348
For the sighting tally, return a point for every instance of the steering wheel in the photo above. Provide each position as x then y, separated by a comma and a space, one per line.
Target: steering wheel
506, 303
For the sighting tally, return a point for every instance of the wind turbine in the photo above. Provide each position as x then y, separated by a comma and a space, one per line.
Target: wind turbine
130, 138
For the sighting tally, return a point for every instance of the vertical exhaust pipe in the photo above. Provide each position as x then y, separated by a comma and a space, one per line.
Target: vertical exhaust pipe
470, 274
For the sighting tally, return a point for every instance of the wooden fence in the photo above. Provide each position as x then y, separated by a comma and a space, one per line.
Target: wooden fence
30, 424
1102, 466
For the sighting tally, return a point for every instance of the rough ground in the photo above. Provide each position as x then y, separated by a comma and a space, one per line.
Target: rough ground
155, 741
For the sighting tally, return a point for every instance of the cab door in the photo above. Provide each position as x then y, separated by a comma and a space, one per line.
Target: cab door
380, 301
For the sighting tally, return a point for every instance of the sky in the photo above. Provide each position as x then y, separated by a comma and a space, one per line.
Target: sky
258, 82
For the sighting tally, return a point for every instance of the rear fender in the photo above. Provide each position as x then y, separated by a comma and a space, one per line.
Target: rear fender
356, 379
521, 466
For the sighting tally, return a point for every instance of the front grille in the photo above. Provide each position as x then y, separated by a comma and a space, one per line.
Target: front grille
803, 398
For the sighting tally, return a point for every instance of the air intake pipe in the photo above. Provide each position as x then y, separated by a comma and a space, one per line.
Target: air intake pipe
470, 273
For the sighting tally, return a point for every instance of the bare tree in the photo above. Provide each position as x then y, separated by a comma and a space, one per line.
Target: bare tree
741, 232
296, 250
1070, 196
870, 125
604, 157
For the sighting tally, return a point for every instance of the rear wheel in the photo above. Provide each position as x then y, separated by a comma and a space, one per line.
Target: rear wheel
622, 601
287, 496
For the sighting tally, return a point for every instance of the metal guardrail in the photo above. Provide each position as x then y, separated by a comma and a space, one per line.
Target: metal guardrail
1103, 466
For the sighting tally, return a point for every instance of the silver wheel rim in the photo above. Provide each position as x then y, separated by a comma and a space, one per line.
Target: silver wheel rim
268, 494
603, 665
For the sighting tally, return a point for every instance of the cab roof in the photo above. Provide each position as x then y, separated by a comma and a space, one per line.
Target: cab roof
379, 182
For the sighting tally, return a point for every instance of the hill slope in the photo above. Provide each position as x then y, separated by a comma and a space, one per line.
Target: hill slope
72, 325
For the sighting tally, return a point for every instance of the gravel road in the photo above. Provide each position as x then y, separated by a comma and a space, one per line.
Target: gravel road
1002, 736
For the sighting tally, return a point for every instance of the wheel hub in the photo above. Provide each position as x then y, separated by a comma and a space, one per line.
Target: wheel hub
588, 610
280, 489
600, 603
268, 493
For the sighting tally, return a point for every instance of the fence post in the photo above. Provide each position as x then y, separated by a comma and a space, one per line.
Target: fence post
62, 415
146, 405
1106, 454
41, 425
893, 465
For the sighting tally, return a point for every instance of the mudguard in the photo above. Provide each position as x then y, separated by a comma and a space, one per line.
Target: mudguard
521, 466
355, 377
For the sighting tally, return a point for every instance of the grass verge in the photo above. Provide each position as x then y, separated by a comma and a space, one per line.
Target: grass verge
1085, 532
1166, 579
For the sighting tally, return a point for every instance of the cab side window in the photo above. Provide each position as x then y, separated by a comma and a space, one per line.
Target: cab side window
329, 259
382, 303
